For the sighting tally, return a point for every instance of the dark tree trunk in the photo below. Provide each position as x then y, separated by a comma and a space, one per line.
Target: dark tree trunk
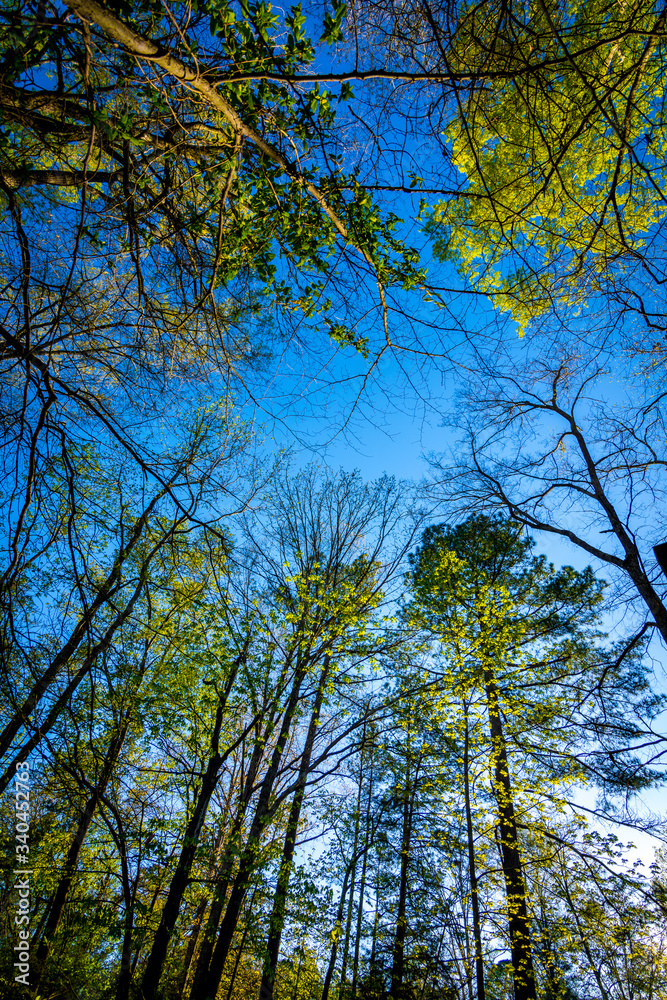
398, 962
277, 920
211, 981
232, 848
362, 884
472, 871
200, 912
181, 877
239, 953
350, 908
337, 929
515, 884
126, 965
192, 944
372, 961
222, 882
646, 590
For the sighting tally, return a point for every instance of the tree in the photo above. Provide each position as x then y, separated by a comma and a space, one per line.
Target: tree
329, 583
522, 635
90, 599
205, 174
559, 454
603, 922
193, 196
536, 149
555, 143
146, 204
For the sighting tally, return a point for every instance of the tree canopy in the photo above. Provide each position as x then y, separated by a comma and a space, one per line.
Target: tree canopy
272, 729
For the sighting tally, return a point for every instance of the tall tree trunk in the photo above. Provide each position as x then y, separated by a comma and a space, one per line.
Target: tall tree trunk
398, 962
350, 908
181, 877
200, 912
515, 883
239, 952
232, 848
434, 981
277, 920
472, 870
362, 885
126, 970
192, 944
211, 981
372, 962
226, 866
338, 926
360, 916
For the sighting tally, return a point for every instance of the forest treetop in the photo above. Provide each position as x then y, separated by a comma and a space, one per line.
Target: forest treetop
211, 663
